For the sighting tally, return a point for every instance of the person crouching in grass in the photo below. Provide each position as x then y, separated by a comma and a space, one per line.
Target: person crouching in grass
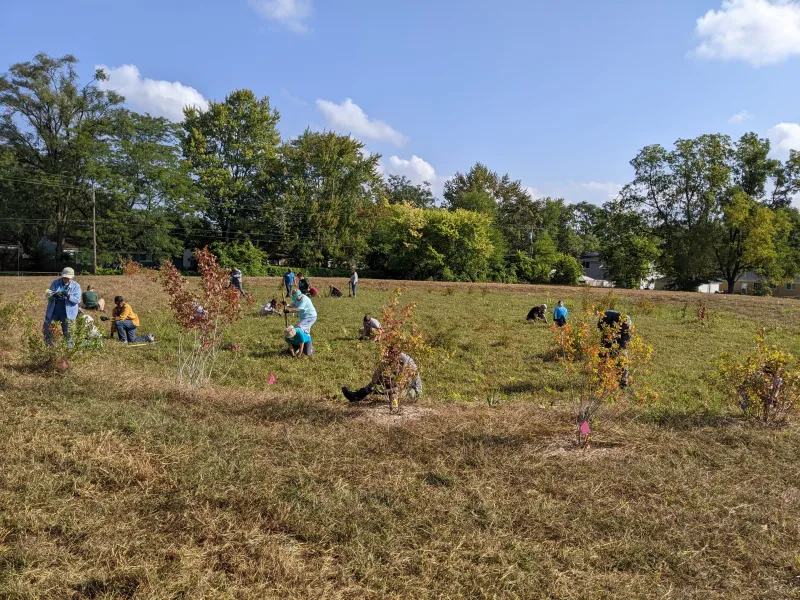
299, 342
371, 329
125, 322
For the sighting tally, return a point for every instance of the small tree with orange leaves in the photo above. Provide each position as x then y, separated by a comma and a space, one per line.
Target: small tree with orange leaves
203, 318
601, 366
400, 336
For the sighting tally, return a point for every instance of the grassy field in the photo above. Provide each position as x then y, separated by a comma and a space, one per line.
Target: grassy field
116, 484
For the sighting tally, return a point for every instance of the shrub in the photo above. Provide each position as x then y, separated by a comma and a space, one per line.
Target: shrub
765, 384
251, 260
400, 335
57, 354
204, 329
598, 373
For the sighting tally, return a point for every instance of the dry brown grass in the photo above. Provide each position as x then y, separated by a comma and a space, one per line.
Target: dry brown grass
115, 484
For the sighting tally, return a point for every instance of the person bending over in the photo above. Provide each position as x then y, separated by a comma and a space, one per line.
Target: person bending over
538, 313
615, 335
390, 378
299, 342
371, 328
125, 322
304, 309
91, 301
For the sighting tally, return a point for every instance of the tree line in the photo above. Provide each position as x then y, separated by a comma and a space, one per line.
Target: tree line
70, 153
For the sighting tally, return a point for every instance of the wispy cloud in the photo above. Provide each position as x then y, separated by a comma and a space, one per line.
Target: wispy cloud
740, 117
292, 14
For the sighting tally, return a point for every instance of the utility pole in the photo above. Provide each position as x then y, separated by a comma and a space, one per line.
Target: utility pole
94, 233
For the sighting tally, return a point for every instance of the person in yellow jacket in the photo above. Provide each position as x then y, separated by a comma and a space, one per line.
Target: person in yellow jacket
125, 321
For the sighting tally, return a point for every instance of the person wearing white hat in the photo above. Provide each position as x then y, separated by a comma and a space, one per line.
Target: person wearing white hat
63, 299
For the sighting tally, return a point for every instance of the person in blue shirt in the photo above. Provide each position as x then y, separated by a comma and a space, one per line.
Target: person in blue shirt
299, 342
288, 280
560, 314
304, 309
63, 299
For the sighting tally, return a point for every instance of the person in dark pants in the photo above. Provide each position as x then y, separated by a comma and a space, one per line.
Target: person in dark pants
353, 282
236, 280
538, 313
303, 284
288, 281
63, 299
386, 377
299, 342
125, 321
615, 334
560, 314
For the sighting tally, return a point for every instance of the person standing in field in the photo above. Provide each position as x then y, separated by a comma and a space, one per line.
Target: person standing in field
353, 282
63, 299
560, 314
299, 342
125, 321
288, 281
304, 309
236, 280
91, 301
302, 283
538, 313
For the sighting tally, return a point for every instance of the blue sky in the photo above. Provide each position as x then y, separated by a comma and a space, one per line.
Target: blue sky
558, 94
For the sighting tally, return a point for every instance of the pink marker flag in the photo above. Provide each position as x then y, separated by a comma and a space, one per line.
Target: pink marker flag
585, 430
271, 379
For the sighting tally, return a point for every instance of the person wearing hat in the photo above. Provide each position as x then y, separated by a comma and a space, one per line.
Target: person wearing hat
538, 313
304, 309
299, 342
63, 299
125, 321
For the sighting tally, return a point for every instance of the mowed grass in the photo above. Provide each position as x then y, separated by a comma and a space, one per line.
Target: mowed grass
116, 484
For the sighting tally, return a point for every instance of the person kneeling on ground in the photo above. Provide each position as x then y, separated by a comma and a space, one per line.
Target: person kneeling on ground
299, 342
371, 329
387, 376
273, 307
335, 292
125, 321
538, 313
91, 301
616, 333
560, 314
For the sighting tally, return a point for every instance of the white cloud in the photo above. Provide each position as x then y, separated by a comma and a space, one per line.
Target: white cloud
416, 169
533, 193
292, 14
760, 32
784, 137
740, 117
611, 190
157, 97
349, 116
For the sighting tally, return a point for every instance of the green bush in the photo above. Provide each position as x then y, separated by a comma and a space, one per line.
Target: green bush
251, 260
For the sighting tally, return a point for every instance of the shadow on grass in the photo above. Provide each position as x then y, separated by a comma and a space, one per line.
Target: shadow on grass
518, 388
293, 411
685, 421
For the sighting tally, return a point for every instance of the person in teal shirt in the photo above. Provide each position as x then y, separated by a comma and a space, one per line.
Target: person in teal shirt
560, 314
299, 342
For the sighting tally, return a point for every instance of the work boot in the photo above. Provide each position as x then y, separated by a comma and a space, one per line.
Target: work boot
356, 396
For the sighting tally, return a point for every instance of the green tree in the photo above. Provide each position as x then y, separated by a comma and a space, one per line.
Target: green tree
232, 149
399, 189
55, 128
626, 247
754, 237
328, 184
144, 189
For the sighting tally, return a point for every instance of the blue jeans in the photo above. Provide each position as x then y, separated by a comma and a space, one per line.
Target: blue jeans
288, 288
126, 332
353, 287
